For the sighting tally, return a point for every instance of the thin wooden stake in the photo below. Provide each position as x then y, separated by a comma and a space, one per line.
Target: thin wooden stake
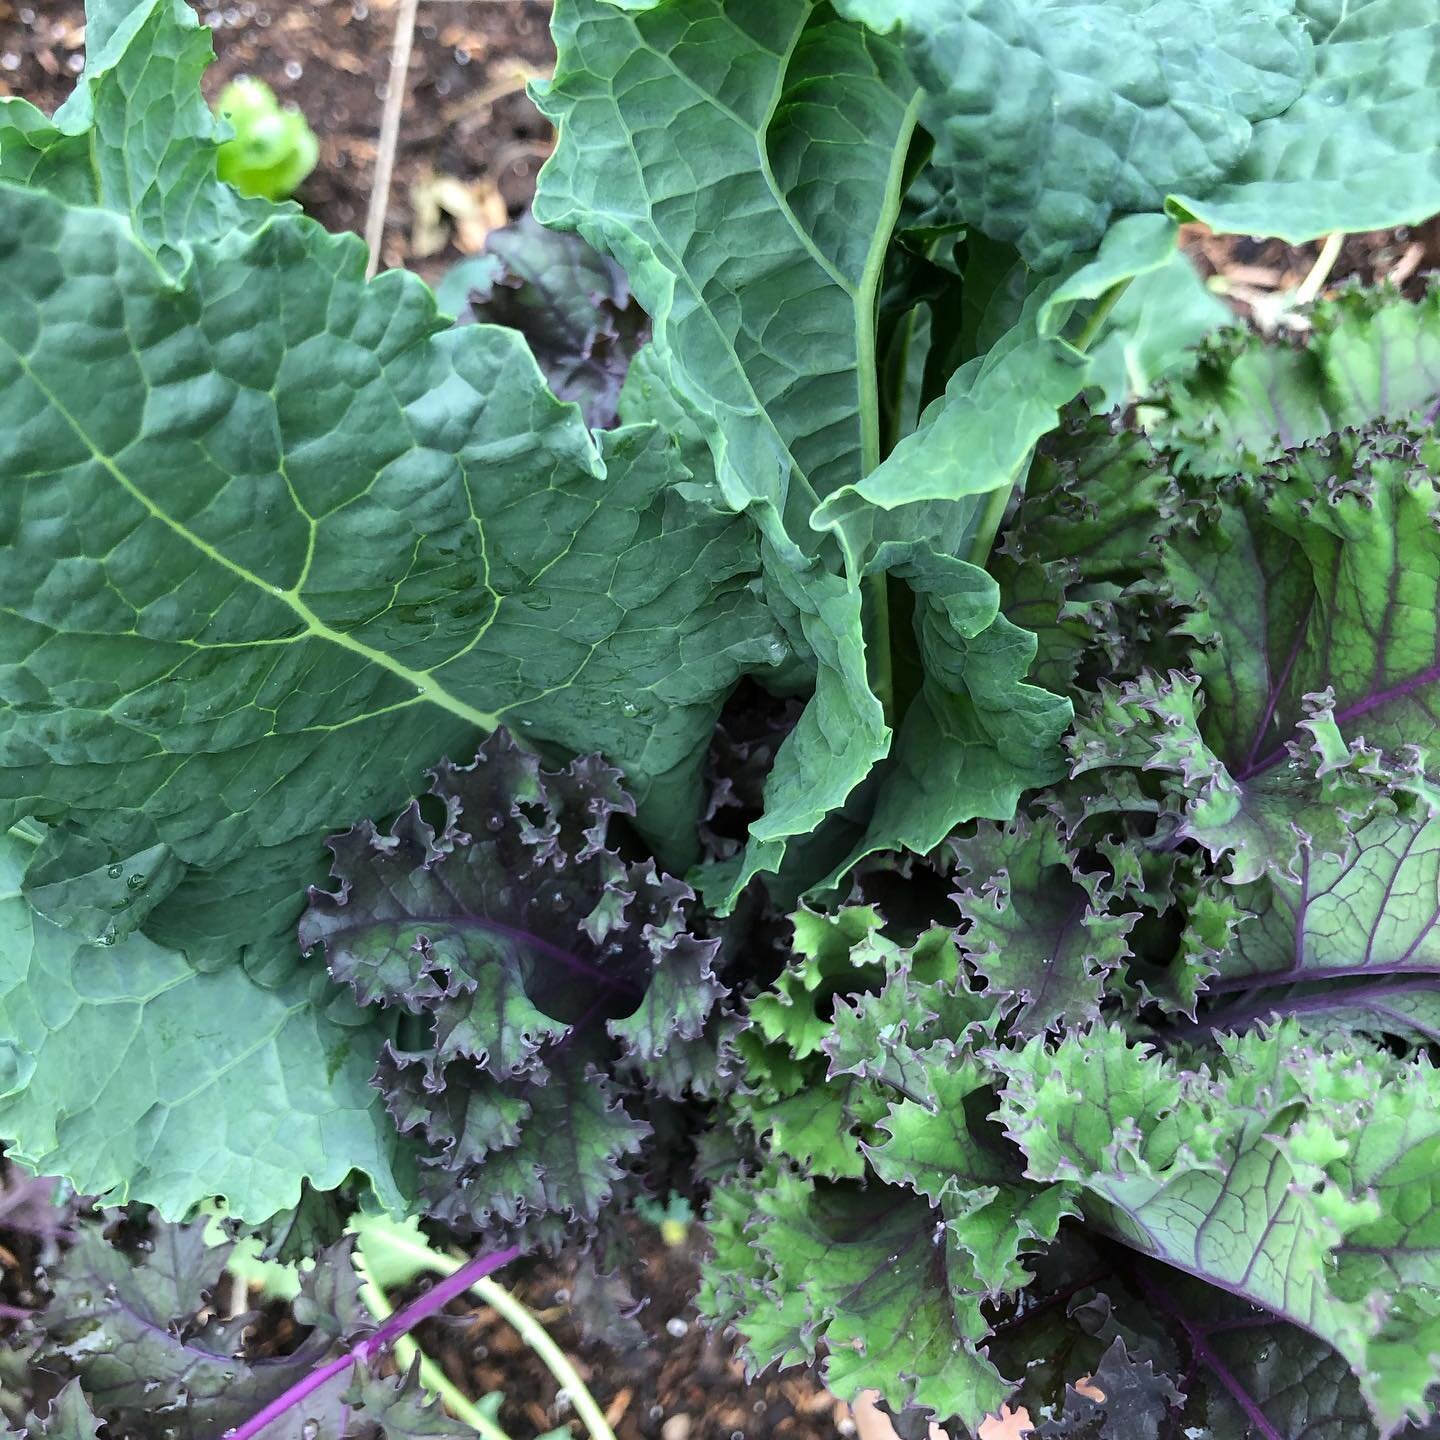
390, 130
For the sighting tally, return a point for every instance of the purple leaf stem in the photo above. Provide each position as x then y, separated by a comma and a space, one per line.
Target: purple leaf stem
1200, 1350
400, 1323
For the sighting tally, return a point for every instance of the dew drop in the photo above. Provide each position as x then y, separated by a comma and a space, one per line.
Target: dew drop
310, 1430
136, 882
629, 709
293, 69
108, 937
495, 822
115, 871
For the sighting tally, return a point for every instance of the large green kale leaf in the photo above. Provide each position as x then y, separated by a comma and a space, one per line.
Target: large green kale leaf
1291, 117
135, 1075
1356, 151
300, 540
746, 164
136, 136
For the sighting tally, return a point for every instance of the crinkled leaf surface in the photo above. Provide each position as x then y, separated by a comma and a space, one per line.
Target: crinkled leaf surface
136, 136
876, 1277
1034, 929
528, 950
743, 163
770, 123
128, 1330
283, 517
1049, 117
1291, 118
1136, 1402
136, 1076
1359, 149
785, 1098
368, 573
1312, 592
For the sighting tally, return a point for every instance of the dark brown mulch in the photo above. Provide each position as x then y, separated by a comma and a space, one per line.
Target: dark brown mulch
680, 1384
1254, 270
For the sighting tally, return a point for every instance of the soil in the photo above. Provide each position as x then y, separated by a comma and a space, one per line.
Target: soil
681, 1383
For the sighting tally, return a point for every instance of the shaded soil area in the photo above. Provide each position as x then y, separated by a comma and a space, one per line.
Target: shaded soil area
673, 1381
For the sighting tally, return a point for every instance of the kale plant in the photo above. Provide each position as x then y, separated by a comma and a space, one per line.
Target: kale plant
891, 533
1180, 1014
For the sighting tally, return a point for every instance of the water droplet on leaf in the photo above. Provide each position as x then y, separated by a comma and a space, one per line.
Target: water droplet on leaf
115, 871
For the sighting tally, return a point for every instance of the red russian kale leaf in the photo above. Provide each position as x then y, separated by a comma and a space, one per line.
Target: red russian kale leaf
534, 973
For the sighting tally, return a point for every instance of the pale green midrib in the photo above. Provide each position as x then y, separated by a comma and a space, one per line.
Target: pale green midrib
867, 381
424, 682
867, 296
